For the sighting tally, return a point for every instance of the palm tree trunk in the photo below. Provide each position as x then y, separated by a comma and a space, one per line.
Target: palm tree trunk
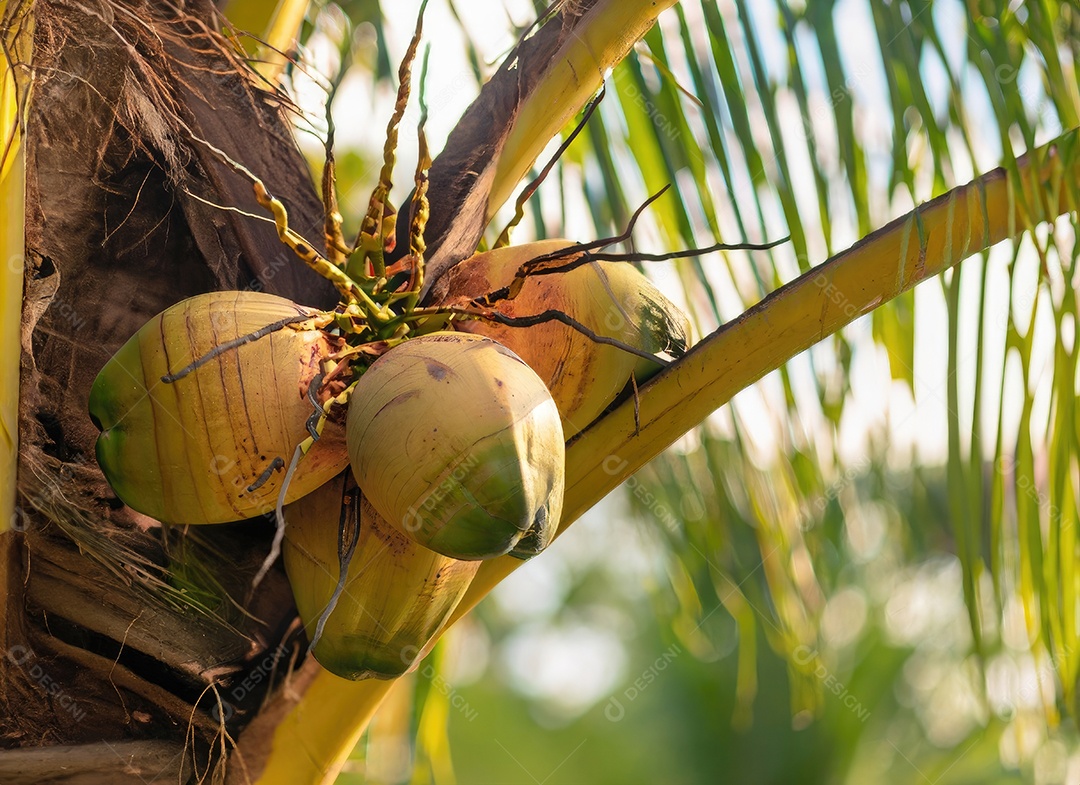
99, 643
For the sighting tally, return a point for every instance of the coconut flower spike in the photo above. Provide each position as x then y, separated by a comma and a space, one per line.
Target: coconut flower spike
374, 229
337, 252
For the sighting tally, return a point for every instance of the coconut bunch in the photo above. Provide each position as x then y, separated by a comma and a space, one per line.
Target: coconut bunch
397, 443
397, 461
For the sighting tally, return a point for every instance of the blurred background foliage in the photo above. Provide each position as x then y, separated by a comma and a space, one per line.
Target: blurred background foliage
863, 569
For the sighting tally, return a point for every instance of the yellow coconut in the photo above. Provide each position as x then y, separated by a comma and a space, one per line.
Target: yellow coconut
612, 299
211, 447
458, 444
396, 593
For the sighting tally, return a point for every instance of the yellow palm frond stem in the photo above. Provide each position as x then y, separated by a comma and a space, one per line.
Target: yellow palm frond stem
11, 281
279, 26
18, 23
599, 41
280, 37
306, 736
919, 245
